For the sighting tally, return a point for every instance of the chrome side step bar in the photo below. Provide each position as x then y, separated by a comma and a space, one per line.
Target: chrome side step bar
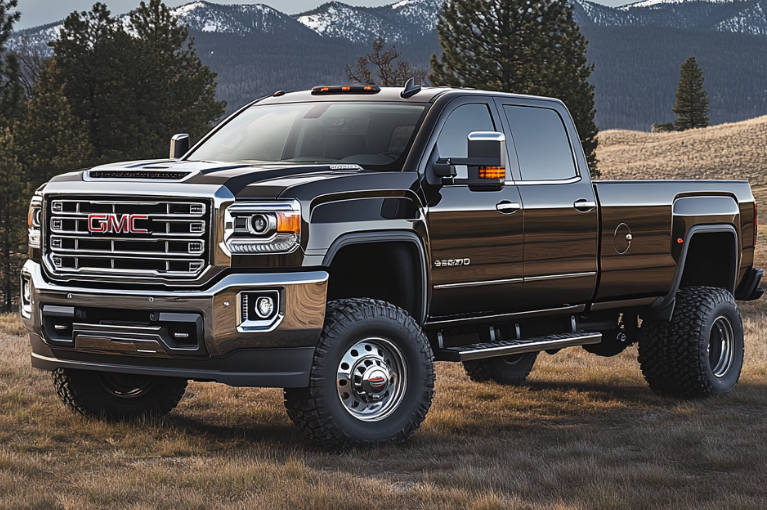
508, 347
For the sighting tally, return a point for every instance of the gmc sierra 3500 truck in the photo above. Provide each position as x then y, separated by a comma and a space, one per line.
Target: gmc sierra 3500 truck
336, 242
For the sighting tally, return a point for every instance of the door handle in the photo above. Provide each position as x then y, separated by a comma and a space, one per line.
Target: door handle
584, 205
506, 207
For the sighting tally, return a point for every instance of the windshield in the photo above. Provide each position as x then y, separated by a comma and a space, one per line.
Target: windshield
370, 135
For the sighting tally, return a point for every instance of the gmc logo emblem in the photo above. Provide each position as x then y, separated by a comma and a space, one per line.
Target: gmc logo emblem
112, 223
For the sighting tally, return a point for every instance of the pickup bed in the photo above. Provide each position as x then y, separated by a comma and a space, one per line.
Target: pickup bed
337, 242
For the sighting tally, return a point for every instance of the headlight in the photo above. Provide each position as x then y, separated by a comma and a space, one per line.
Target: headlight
34, 221
262, 227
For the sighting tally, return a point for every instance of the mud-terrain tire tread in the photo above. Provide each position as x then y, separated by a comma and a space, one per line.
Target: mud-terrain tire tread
670, 354
484, 370
306, 407
80, 392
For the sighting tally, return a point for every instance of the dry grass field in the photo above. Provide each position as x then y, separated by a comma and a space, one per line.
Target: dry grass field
726, 151
584, 434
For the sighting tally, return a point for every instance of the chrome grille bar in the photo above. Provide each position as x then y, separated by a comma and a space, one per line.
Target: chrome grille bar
161, 238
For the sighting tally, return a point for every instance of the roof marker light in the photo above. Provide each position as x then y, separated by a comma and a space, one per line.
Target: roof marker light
347, 89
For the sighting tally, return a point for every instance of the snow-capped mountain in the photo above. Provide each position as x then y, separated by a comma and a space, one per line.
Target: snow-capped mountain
637, 49
235, 19
406, 20
398, 21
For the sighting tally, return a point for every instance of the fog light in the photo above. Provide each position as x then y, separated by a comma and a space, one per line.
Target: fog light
264, 307
258, 310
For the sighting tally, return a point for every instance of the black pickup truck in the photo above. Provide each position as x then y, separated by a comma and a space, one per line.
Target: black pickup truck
336, 242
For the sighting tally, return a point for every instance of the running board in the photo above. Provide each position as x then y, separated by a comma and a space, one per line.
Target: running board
508, 347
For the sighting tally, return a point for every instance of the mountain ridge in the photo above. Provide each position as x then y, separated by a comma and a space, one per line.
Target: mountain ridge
637, 50
405, 20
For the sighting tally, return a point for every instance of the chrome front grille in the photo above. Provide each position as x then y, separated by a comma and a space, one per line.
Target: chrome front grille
142, 237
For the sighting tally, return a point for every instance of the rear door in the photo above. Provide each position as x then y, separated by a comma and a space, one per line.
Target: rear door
476, 237
560, 209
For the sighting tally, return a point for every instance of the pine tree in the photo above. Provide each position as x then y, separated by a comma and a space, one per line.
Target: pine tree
133, 87
175, 92
49, 139
691, 106
11, 92
14, 201
94, 61
519, 46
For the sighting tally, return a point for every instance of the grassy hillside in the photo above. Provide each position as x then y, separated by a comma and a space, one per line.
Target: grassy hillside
726, 151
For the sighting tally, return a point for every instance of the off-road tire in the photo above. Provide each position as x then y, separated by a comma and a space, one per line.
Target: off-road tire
92, 394
674, 355
318, 410
509, 370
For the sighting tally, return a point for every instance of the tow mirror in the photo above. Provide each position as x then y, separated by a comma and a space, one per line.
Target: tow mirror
179, 145
486, 162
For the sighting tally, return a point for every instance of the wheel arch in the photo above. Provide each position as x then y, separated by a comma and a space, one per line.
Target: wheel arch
405, 247
723, 239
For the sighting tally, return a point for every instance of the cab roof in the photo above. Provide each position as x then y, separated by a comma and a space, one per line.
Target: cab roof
386, 94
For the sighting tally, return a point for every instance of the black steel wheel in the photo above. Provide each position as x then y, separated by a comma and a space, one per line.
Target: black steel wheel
372, 379
117, 397
700, 351
510, 370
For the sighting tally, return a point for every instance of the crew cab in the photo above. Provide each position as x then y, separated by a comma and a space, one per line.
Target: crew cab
337, 242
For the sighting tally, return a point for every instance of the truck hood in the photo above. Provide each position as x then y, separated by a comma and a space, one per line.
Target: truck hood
242, 179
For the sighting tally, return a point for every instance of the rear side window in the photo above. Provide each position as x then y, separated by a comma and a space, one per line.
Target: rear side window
543, 147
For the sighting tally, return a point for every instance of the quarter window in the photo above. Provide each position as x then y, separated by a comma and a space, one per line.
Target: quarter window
543, 147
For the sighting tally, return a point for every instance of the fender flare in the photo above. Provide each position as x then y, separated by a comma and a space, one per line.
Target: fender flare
353, 238
663, 307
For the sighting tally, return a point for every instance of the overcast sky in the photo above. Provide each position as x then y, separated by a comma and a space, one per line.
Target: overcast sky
40, 12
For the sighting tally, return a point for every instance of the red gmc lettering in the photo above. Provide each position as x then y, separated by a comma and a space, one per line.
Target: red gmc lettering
126, 223
101, 218
132, 224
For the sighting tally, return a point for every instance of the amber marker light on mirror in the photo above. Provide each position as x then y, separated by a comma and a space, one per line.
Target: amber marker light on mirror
492, 172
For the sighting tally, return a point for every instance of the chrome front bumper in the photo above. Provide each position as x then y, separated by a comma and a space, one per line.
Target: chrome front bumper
273, 353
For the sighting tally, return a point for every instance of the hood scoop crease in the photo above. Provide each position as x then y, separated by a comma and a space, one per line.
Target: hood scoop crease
138, 174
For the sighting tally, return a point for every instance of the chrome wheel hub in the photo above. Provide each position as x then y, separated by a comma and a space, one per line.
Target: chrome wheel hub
371, 379
721, 346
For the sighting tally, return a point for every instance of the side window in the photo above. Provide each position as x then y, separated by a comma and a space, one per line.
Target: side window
542, 145
453, 139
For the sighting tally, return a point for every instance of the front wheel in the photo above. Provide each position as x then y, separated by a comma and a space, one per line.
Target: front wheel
117, 397
700, 351
372, 379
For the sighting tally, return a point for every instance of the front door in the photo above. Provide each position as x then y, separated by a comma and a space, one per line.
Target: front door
476, 236
560, 210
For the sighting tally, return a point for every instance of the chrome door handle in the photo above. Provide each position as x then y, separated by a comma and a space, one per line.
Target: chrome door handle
584, 205
507, 207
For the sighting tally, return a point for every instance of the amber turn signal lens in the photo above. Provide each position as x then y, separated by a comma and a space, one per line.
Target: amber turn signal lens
492, 172
288, 222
